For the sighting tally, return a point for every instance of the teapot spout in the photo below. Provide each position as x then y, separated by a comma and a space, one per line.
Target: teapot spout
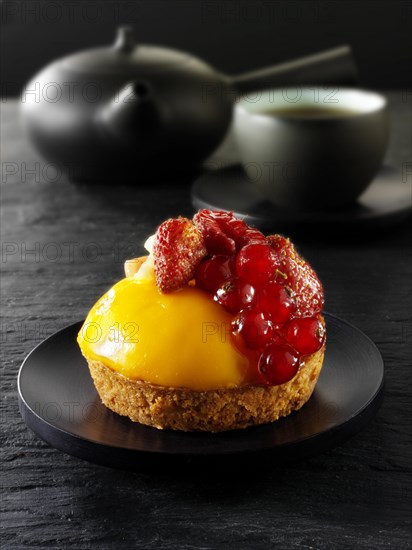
131, 115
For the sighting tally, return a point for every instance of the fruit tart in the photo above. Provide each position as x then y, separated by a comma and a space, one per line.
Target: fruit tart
219, 327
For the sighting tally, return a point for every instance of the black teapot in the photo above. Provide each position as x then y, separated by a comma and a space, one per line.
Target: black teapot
136, 112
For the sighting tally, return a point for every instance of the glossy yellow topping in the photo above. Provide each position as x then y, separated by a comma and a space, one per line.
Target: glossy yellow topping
181, 339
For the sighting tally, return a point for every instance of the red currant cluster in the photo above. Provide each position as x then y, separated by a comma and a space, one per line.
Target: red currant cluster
251, 283
274, 295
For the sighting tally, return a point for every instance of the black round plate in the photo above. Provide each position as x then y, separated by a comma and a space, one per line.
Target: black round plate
59, 403
386, 201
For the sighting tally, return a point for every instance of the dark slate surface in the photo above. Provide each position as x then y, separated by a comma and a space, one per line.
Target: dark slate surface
355, 496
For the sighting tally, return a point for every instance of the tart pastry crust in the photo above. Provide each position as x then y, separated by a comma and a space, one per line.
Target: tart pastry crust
211, 410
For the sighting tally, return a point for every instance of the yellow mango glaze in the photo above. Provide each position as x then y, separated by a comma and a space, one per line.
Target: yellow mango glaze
181, 339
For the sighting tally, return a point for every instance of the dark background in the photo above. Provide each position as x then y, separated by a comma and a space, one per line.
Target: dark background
234, 36
357, 495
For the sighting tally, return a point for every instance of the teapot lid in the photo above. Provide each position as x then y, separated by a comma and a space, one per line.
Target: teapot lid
123, 56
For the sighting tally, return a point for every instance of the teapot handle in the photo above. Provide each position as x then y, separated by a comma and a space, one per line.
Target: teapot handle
335, 66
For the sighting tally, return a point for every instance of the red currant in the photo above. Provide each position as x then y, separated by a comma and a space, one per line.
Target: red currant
212, 273
278, 363
255, 328
235, 294
277, 301
257, 263
305, 334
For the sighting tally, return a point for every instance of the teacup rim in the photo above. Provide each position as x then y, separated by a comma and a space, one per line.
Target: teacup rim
380, 102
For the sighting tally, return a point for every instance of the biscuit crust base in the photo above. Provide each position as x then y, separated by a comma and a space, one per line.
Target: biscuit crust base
213, 410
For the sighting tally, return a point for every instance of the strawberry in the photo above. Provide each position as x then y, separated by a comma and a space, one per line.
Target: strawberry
279, 242
223, 233
217, 242
178, 248
296, 273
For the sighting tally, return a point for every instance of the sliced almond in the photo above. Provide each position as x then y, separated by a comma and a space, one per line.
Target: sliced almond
131, 267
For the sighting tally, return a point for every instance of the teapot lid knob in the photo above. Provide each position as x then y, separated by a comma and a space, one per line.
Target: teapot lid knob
124, 39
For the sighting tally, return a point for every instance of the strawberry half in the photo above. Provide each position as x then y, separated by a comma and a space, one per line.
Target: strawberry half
223, 232
296, 273
178, 248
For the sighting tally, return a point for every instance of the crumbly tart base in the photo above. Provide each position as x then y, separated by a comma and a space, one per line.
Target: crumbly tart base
212, 410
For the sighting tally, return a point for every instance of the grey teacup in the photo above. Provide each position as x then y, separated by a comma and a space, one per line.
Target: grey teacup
311, 150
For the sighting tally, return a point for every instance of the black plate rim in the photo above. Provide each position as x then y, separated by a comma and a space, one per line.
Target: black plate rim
310, 219
360, 418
